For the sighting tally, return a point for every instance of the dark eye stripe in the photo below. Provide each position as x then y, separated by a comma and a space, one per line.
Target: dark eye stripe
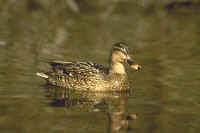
124, 51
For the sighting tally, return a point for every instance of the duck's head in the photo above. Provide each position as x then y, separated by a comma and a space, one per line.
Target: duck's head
120, 56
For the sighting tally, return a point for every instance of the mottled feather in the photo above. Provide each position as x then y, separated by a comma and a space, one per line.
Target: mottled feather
78, 67
89, 75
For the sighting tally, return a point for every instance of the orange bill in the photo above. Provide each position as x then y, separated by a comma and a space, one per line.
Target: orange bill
136, 66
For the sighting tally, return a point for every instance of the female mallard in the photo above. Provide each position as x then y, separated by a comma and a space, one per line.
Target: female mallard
91, 76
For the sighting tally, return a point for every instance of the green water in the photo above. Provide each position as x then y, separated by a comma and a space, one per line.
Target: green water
166, 96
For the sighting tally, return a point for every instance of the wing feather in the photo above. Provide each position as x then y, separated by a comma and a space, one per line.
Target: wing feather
78, 67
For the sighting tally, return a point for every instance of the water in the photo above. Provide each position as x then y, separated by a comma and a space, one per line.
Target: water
165, 41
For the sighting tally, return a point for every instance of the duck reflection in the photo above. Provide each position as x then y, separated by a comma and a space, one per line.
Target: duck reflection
113, 104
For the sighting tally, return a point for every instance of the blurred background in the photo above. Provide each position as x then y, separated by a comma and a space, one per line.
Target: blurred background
163, 37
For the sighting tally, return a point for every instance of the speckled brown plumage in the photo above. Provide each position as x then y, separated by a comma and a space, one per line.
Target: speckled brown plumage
91, 76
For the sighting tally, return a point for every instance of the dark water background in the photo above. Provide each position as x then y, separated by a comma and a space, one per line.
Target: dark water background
163, 37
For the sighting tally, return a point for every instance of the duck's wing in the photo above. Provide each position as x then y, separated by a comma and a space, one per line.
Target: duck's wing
78, 67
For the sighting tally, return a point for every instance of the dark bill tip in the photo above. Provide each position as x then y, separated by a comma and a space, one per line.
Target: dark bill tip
136, 67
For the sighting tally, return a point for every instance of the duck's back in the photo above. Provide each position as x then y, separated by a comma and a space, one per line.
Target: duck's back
78, 75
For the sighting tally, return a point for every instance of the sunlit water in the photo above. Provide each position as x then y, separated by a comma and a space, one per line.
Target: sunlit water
165, 41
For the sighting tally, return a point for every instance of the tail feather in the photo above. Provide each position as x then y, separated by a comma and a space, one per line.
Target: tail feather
43, 75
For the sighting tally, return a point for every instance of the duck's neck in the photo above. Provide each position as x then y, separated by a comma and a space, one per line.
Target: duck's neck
117, 68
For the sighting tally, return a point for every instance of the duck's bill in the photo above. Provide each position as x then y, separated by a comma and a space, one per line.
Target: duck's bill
133, 65
136, 67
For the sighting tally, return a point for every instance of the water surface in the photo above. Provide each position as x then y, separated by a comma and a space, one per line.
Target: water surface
165, 41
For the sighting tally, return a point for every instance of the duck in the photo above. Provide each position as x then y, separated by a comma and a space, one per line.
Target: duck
90, 76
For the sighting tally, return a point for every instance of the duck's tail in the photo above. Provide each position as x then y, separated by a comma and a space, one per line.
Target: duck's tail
43, 75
